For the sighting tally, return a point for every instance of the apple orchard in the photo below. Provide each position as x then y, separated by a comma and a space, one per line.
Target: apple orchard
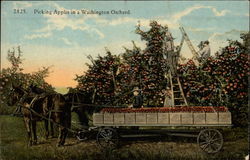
220, 80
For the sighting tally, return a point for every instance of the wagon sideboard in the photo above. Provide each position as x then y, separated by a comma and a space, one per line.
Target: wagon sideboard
162, 119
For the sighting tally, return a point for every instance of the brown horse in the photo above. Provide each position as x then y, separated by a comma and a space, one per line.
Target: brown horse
81, 103
50, 108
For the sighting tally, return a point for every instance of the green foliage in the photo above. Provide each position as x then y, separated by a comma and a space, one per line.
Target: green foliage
15, 60
111, 76
152, 65
14, 76
100, 78
217, 81
220, 80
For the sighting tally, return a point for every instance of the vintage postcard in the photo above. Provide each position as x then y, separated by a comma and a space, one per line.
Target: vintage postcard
122, 80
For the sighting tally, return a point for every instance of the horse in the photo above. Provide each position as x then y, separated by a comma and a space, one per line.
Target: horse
81, 103
49, 107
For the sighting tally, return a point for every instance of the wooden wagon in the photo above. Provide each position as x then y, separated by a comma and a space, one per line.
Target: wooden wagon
207, 120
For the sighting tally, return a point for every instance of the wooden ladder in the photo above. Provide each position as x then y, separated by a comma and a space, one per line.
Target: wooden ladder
178, 97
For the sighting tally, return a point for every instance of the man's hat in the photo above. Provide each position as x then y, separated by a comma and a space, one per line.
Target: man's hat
136, 89
206, 42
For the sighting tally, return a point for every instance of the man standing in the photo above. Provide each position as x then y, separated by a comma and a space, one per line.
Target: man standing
169, 50
205, 51
138, 99
169, 40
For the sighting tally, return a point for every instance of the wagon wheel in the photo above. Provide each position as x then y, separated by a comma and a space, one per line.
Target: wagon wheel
82, 135
108, 138
210, 140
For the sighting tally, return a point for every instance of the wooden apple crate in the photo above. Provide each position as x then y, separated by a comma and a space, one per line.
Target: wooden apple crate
163, 119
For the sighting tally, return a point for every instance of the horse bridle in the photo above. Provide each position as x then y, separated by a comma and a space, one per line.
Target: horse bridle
13, 90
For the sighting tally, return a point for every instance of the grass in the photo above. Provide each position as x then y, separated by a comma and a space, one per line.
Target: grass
14, 147
6, 110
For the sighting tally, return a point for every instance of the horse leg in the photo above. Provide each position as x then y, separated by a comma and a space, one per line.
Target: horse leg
34, 131
65, 132
82, 116
52, 129
28, 128
67, 123
46, 124
60, 136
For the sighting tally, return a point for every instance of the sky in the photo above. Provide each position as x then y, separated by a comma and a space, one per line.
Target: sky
51, 35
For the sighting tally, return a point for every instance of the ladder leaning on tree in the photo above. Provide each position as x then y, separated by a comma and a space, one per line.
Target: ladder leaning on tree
191, 47
178, 98
177, 95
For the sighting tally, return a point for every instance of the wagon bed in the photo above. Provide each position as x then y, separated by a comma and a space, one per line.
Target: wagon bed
181, 116
111, 121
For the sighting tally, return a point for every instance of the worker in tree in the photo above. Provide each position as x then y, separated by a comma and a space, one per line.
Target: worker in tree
169, 50
169, 40
205, 51
138, 98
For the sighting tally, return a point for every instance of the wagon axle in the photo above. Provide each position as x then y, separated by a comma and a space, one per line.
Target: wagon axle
208, 140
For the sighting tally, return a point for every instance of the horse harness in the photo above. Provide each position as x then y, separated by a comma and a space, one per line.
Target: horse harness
30, 108
46, 112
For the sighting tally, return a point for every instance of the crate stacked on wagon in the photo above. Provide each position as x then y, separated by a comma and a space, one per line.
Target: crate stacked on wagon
206, 119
